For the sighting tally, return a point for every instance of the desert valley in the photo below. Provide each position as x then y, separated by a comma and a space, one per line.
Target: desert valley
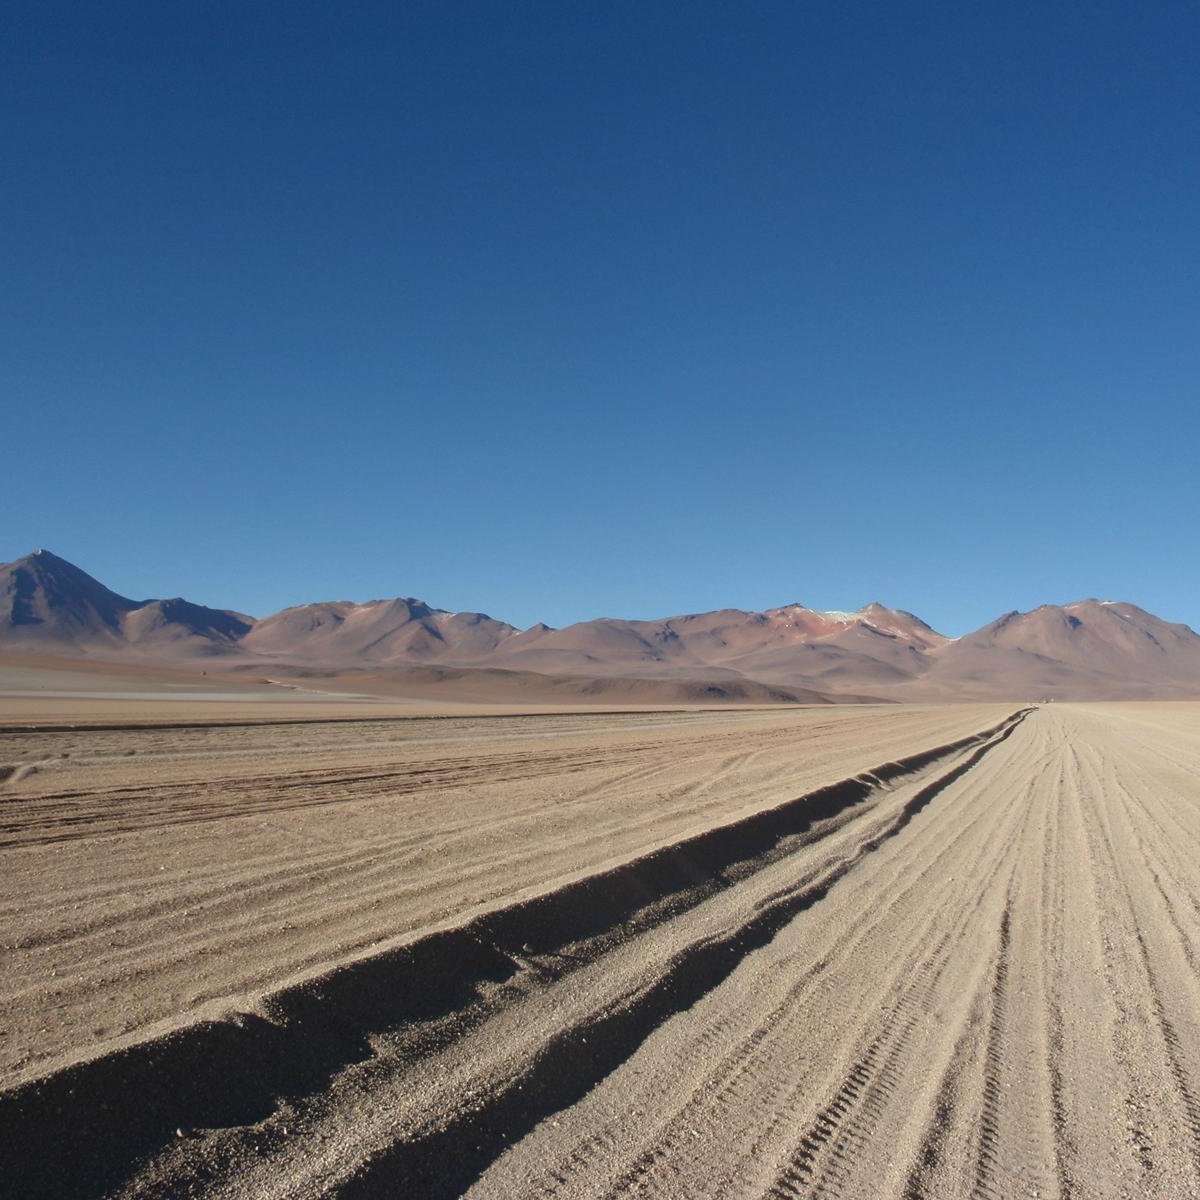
686, 685
372, 899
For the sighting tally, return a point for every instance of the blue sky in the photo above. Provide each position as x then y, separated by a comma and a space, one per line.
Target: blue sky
566, 310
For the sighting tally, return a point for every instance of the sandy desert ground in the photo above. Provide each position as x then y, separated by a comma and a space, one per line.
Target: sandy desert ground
855, 951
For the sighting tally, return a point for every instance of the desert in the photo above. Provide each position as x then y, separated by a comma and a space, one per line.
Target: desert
870, 950
599, 601
384, 918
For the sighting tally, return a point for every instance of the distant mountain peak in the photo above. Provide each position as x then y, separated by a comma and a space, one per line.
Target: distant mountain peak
1087, 648
44, 559
49, 603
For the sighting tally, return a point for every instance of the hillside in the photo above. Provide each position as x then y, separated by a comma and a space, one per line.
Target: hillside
1089, 649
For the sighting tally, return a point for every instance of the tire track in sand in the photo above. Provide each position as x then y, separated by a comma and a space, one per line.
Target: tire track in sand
308, 1037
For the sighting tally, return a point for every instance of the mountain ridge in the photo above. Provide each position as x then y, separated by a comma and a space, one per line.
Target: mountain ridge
1084, 649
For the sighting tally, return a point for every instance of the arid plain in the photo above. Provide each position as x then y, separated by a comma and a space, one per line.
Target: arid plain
859, 951
594, 602
377, 899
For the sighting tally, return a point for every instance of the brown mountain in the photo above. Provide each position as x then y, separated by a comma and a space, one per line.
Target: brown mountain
48, 604
792, 645
1090, 649
380, 631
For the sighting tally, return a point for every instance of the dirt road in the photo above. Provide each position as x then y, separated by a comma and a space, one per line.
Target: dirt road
963, 966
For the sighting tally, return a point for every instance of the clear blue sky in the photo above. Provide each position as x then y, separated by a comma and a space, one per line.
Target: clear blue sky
566, 310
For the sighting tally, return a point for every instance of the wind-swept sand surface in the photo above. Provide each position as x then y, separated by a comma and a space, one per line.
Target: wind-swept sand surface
858, 952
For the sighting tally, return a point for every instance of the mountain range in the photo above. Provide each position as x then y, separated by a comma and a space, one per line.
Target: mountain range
1089, 649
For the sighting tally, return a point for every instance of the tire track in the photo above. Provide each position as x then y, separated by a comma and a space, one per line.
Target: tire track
753, 1083
989, 1124
297, 891
1058, 1057
965, 975
1168, 1042
1172, 1043
824, 1161
320, 1028
584, 1055
1053, 951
